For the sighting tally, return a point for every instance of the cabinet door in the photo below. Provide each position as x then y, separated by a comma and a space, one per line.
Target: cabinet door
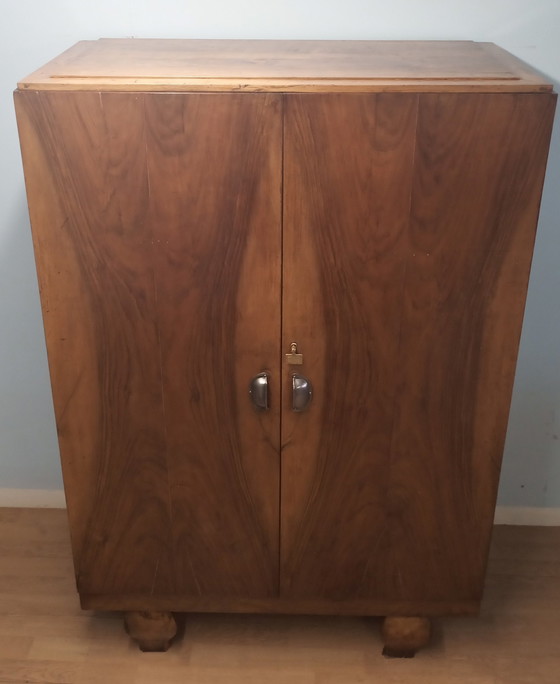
156, 221
409, 224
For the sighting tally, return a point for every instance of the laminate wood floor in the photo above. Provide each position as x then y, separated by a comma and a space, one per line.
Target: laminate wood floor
45, 637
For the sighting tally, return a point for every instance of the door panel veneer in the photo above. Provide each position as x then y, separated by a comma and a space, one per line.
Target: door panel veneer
214, 165
478, 174
89, 188
348, 181
409, 226
167, 211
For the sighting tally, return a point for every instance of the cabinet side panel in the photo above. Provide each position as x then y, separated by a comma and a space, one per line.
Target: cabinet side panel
87, 188
215, 200
348, 180
479, 168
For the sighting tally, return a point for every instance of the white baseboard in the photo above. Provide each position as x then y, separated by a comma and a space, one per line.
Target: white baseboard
32, 498
519, 515
54, 498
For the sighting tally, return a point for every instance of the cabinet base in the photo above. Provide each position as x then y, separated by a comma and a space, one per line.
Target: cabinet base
403, 636
152, 630
174, 603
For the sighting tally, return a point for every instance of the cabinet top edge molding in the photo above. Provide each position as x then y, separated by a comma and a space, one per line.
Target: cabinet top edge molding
134, 64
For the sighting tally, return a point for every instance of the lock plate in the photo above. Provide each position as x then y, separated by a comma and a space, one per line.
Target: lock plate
293, 358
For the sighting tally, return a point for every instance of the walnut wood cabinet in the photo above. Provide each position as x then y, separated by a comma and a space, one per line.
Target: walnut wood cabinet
199, 206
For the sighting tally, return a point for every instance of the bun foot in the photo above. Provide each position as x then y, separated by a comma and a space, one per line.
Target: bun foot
152, 631
403, 636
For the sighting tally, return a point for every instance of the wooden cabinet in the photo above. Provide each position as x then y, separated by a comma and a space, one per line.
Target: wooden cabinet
199, 206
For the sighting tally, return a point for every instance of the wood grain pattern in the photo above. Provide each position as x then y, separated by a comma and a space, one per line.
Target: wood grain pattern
282, 65
389, 480
96, 279
479, 169
215, 165
348, 180
145, 212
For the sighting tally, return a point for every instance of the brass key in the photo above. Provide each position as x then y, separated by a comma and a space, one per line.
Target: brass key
293, 358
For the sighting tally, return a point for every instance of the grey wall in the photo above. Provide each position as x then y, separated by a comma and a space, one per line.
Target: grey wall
33, 31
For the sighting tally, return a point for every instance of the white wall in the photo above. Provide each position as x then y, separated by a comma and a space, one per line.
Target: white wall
33, 31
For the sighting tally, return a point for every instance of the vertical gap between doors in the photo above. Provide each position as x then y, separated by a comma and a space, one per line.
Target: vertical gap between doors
281, 367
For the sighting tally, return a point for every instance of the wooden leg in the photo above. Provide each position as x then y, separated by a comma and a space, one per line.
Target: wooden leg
153, 631
403, 636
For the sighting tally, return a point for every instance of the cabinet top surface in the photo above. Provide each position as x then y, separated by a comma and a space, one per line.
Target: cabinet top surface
285, 66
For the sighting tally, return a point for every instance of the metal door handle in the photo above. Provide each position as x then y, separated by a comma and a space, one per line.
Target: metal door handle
302, 392
258, 390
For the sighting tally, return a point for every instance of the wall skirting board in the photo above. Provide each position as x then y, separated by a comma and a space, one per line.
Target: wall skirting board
32, 498
54, 498
521, 515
